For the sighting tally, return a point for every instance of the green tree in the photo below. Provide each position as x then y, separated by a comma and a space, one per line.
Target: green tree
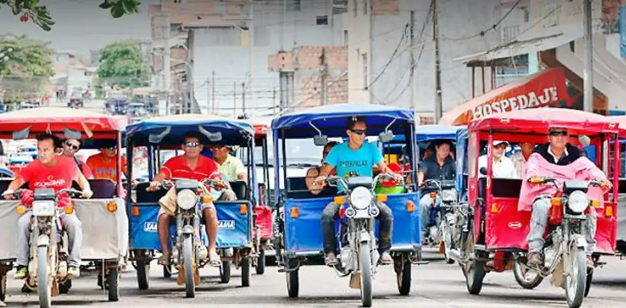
39, 14
121, 64
25, 67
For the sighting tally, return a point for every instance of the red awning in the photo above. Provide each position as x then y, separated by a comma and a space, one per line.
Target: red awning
542, 89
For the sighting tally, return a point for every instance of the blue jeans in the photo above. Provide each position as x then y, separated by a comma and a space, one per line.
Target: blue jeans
428, 211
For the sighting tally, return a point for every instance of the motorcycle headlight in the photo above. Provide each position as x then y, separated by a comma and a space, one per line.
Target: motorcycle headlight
186, 199
448, 195
361, 198
577, 201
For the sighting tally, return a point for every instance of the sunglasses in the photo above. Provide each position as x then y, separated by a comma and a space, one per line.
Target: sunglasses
192, 144
72, 146
558, 133
359, 131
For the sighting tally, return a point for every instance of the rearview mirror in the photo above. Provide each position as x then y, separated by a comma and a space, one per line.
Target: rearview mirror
21, 135
483, 170
386, 136
584, 140
320, 140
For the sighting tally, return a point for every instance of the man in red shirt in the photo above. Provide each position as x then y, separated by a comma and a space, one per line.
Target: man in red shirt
191, 165
50, 170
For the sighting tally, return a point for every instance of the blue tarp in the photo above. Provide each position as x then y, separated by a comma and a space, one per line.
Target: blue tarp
332, 119
234, 132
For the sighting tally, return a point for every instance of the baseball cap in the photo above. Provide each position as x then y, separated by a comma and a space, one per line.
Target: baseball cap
499, 142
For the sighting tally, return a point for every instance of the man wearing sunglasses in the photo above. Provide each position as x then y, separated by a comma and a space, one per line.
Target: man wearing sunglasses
357, 157
104, 164
195, 166
558, 152
70, 148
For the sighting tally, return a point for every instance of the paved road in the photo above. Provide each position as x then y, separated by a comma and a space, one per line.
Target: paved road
434, 285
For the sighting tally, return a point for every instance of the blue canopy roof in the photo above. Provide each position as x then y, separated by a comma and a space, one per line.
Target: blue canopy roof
434, 132
233, 132
332, 119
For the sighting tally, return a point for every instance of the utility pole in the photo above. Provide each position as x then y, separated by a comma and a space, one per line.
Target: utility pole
235, 100
324, 77
274, 102
588, 71
412, 68
208, 96
243, 98
438, 99
213, 91
250, 46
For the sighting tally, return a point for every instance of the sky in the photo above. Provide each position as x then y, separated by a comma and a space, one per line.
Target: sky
81, 25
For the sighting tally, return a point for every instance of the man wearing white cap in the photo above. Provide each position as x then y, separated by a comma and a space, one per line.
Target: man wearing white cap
503, 166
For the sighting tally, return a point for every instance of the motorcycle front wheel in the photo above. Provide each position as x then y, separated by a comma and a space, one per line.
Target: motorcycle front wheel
190, 287
43, 281
575, 282
366, 274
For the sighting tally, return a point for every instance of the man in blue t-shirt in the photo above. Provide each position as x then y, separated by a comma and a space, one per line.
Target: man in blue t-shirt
354, 158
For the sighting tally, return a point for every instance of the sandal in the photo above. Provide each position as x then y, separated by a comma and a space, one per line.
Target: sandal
214, 259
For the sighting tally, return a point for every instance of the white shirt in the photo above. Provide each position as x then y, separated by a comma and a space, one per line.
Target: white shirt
503, 169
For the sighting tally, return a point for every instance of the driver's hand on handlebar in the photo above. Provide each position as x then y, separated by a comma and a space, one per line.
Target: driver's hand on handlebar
154, 185
8, 194
606, 183
87, 193
320, 180
219, 184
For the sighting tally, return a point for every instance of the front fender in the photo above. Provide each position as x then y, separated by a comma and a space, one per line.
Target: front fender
43, 241
580, 240
364, 236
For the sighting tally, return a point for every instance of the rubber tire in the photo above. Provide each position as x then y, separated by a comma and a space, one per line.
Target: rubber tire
43, 289
520, 280
3, 287
589, 279
65, 287
167, 271
260, 265
580, 264
293, 283
143, 270
365, 262
225, 272
113, 281
404, 279
475, 273
190, 286
447, 242
245, 272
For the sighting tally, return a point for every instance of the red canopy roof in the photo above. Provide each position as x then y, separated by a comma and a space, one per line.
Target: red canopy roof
56, 119
539, 120
545, 88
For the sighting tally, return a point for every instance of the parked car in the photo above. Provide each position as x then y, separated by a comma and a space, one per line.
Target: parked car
76, 100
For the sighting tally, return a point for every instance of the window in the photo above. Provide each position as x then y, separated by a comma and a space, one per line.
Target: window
365, 7
345, 37
365, 72
180, 1
294, 5
321, 20
356, 6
